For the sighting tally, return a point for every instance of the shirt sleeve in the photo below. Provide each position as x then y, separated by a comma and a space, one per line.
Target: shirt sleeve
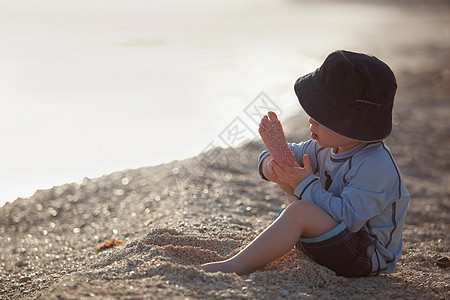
371, 186
309, 147
260, 159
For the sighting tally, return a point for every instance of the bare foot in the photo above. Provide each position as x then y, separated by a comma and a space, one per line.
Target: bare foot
219, 266
273, 137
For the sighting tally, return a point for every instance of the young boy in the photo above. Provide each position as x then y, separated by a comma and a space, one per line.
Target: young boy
351, 201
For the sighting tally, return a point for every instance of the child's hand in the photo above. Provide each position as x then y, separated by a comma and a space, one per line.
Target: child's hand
292, 175
268, 172
267, 169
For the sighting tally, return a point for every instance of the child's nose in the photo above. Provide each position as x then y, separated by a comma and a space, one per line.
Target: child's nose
311, 121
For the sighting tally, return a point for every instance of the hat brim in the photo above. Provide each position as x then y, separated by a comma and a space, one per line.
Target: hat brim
317, 101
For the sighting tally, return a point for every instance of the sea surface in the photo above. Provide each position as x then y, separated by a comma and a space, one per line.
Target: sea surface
92, 87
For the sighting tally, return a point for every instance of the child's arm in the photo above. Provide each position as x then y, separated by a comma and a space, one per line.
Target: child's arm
371, 186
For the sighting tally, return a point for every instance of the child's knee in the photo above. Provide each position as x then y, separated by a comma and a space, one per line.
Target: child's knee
307, 211
308, 218
299, 208
302, 206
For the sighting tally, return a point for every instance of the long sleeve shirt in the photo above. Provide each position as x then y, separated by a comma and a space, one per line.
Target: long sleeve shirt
362, 187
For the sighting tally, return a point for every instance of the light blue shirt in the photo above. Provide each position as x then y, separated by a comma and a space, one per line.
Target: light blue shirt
362, 187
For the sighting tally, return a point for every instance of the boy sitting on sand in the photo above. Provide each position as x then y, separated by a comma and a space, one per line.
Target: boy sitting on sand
351, 201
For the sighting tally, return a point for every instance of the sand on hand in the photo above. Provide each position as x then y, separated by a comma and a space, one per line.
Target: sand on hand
272, 134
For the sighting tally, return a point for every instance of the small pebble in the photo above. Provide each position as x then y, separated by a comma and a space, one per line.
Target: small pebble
20, 264
129, 261
24, 279
443, 262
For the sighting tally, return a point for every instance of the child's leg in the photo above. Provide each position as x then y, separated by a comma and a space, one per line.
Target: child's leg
273, 137
272, 134
299, 219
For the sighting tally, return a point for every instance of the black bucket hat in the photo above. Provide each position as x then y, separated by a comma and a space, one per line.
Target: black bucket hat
351, 94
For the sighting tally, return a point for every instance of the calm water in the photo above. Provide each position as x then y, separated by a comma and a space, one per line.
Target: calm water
92, 87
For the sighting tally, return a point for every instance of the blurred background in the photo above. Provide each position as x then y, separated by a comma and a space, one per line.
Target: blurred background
92, 87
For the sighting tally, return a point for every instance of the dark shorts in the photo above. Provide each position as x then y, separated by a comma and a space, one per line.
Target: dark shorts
346, 253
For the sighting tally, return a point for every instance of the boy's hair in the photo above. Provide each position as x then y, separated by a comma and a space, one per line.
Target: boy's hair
352, 94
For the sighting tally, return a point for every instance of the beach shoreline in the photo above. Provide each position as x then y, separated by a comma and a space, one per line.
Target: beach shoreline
182, 213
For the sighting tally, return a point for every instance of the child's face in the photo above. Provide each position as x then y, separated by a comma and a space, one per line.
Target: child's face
329, 139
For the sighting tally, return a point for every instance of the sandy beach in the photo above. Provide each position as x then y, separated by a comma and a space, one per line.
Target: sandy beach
175, 215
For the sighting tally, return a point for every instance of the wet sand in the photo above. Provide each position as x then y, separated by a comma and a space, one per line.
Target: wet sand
176, 215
